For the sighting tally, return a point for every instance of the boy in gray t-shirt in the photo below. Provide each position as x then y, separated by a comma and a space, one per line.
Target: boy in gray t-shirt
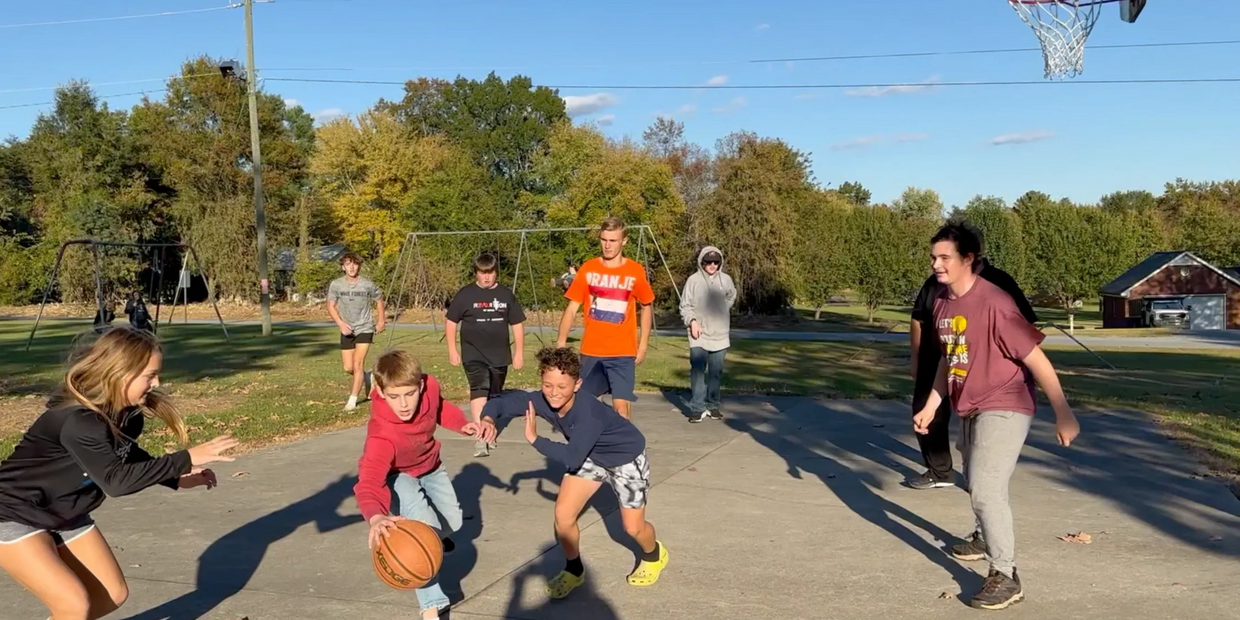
348, 303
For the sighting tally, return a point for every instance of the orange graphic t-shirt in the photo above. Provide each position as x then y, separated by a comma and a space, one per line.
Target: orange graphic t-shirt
607, 296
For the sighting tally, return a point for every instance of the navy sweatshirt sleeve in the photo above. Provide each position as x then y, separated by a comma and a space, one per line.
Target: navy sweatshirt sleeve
87, 439
573, 454
509, 405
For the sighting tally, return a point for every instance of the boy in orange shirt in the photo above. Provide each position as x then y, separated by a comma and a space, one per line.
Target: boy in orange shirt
612, 344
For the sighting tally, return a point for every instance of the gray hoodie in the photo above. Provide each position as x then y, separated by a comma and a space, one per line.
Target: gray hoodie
709, 299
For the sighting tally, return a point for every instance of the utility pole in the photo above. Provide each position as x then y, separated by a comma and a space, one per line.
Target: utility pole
260, 217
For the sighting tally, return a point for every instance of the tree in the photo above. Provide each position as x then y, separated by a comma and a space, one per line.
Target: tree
197, 140
752, 212
856, 193
916, 203
502, 124
692, 170
1002, 236
824, 256
1136, 201
888, 270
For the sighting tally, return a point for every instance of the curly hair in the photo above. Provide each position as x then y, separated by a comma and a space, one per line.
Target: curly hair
562, 359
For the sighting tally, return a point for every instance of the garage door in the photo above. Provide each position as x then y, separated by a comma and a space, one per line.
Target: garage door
1206, 311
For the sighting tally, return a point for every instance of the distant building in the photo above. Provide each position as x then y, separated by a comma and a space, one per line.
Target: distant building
1167, 281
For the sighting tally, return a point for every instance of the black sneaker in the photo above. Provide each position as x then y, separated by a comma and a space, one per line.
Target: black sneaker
927, 481
694, 418
448, 546
998, 591
715, 415
971, 550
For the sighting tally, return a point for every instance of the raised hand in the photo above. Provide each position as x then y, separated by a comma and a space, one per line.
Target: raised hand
531, 424
210, 452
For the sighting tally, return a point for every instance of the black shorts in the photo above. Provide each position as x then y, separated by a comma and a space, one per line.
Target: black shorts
351, 341
485, 381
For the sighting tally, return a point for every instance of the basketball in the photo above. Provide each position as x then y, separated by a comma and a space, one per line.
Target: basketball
409, 557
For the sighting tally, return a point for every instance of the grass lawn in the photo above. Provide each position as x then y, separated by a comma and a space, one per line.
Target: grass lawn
265, 391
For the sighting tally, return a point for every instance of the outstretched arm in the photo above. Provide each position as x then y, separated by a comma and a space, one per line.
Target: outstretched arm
509, 405
1066, 426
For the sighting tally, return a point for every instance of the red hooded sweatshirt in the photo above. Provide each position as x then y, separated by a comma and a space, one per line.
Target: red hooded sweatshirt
407, 447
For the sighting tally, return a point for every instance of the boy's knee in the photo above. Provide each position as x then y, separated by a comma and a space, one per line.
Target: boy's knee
564, 521
119, 593
71, 606
634, 530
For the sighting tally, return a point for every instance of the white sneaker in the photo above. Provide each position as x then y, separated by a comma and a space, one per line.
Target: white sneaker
352, 404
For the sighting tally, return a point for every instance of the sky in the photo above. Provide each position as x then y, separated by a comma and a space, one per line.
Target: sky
1068, 139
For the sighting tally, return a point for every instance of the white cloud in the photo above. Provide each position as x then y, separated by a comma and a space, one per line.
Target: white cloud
866, 141
761, 27
810, 96
735, 104
718, 80
328, 114
582, 105
1022, 137
606, 120
687, 109
291, 103
897, 89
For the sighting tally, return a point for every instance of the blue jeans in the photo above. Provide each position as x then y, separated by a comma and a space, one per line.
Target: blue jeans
705, 373
416, 496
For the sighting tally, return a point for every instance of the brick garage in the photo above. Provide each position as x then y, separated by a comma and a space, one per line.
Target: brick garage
1169, 275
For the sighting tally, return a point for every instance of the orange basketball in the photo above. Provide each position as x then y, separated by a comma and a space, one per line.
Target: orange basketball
409, 557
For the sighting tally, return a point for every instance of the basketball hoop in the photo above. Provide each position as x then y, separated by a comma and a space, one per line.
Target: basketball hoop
1062, 26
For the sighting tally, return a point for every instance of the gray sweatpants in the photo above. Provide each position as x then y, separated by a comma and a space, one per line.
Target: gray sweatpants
990, 444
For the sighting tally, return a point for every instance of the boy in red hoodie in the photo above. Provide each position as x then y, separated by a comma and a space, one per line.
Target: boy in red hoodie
406, 406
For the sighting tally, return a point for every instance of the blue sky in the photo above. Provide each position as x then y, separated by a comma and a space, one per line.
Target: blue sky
1073, 140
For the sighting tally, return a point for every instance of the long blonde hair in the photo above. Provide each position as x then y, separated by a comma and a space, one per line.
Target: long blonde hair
99, 377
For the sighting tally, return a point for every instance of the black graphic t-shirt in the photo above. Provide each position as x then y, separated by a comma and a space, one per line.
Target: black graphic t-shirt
484, 315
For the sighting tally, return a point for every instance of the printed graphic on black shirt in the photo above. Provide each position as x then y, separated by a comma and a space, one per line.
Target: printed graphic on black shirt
483, 315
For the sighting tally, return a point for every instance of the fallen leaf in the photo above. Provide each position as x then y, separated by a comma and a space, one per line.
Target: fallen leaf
945, 595
135, 566
830, 476
879, 425
1216, 538
1079, 537
241, 474
692, 469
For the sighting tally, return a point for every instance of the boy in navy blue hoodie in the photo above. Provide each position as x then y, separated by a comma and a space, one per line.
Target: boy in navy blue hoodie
603, 446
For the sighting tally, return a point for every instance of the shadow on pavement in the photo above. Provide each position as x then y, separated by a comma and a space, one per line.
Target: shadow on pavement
584, 603
230, 562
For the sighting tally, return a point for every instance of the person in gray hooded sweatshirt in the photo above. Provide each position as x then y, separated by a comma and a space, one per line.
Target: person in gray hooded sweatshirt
705, 306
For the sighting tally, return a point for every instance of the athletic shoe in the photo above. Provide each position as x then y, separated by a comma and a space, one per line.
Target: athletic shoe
563, 583
998, 591
481, 449
715, 415
971, 550
927, 481
694, 419
647, 573
352, 404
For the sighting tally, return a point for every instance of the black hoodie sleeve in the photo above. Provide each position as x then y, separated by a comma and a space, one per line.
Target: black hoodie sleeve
87, 438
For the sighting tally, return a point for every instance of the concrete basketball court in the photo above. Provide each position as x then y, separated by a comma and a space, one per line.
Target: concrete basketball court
789, 508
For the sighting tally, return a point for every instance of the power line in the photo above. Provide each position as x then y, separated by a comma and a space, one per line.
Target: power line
918, 85
120, 17
95, 84
836, 58
112, 96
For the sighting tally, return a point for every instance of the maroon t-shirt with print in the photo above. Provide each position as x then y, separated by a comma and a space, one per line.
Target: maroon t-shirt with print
984, 337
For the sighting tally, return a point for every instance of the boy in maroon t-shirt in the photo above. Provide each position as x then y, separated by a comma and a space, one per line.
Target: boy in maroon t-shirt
991, 360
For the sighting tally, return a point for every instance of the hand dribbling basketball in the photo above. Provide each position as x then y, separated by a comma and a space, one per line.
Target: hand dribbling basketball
381, 525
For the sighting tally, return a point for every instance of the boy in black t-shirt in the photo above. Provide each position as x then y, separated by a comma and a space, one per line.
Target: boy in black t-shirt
926, 352
484, 310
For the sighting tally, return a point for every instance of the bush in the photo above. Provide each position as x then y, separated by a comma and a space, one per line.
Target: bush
314, 276
23, 273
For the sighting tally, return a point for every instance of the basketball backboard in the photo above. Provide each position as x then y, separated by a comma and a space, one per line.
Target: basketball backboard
1130, 9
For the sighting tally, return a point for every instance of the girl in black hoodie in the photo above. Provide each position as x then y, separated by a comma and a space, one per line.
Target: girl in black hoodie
83, 448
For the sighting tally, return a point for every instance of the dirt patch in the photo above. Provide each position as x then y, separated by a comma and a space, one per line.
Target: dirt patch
16, 414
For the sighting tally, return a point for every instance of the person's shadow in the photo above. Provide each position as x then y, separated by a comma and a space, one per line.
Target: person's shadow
856, 490
583, 603
230, 562
469, 483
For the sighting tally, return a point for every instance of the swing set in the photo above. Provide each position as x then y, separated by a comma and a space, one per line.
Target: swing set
158, 264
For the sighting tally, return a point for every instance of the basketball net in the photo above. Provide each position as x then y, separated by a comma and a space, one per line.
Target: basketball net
1062, 27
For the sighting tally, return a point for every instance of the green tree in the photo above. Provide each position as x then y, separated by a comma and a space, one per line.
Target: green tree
855, 193
917, 203
1003, 238
824, 256
888, 271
